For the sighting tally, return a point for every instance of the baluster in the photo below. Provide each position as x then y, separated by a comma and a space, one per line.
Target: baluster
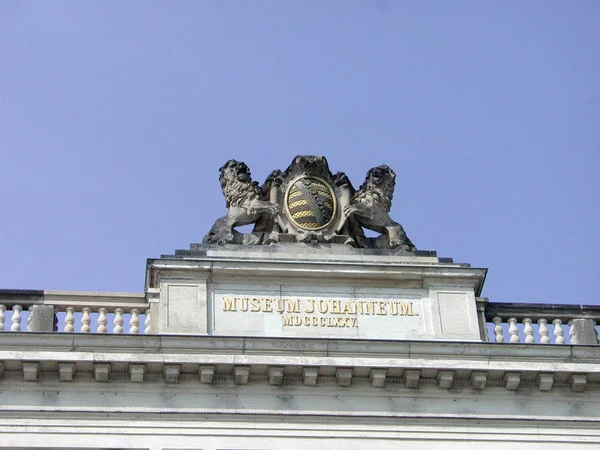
544, 338
16, 318
2, 316
498, 331
102, 319
134, 322
86, 319
528, 330
572, 332
147, 330
29, 319
558, 332
118, 328
69, 320
513, 330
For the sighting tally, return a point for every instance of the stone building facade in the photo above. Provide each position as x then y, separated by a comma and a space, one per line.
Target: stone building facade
303, 334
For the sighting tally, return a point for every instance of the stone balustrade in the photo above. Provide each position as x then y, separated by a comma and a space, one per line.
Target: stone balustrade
531, 323
68, 312
129, 313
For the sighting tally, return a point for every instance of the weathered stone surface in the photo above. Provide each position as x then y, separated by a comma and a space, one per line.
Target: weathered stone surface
42, 318
136, 372
171, 372
101, 372
310, 375
478, 380
207, 374
377, 377
343, 376
66, 371
31, 371
309, 204
512, 381
583, 331
411, 378
309, 291
275, 375
445, 378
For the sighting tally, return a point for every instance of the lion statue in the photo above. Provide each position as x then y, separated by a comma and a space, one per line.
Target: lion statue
370, 208
243, 198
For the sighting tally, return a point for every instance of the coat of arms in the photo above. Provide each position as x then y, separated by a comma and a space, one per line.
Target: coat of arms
307, 203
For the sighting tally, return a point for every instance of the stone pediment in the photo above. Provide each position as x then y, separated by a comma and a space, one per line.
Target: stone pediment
308, 203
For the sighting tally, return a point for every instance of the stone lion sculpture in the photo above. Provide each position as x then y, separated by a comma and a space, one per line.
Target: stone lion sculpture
243, 198
371, 204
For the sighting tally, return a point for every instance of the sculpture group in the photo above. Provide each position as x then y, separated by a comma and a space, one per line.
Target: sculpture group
307, 203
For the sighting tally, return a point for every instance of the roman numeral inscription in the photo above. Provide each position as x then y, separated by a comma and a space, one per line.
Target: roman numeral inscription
303, 312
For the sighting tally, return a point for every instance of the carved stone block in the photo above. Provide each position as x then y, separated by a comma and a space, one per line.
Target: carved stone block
445, 378
478, 380
31, 371
545, 381
377, 377
275, 375
343, 376
512, 381
310, 375
578, 382
171, 372
101, 372
241, 374
207, 374
66, 371
411, 378
136, 372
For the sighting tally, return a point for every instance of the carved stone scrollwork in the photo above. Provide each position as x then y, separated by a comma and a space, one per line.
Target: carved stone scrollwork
307, 203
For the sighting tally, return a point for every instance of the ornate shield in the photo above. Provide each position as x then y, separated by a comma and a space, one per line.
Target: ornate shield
310, 203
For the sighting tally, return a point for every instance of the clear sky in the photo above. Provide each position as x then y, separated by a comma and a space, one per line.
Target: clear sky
115, 117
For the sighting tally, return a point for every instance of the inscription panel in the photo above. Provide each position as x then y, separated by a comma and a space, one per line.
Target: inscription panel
329, 312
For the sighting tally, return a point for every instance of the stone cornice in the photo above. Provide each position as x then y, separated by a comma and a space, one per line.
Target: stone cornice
276, 357
296, 268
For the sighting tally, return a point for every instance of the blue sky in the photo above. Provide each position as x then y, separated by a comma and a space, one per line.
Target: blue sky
115, 117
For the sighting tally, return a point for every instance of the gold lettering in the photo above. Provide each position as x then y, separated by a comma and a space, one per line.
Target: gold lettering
255, 305
266, 305
381, 308
393, 308
323, 321
287, 321
229, 304
334, 306
406, 309
244, 304
370, 308
297, 321
358, 306
347, 308
293, 305
306, 321
322, 306
352, 322
315, 321
279, 305
311, 307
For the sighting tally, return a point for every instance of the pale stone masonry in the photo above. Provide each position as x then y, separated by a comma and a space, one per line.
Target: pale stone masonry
388, 351
302, 334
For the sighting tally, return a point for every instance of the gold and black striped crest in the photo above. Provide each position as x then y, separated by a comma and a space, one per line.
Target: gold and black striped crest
310, 203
